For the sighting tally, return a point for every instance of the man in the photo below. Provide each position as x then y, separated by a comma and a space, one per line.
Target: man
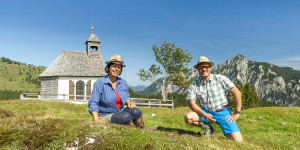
211, 91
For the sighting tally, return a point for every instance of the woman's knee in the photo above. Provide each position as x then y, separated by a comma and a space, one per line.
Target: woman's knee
134, 112
121, 118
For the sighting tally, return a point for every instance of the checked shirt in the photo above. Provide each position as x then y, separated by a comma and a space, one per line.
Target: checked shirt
212, 95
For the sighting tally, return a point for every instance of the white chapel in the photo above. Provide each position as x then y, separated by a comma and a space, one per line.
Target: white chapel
73, 73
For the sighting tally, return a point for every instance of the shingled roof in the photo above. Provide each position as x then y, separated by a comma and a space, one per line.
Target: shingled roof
75, 63
93, 38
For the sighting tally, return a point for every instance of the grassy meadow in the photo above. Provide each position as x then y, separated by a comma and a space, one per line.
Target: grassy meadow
33, 124
17, 76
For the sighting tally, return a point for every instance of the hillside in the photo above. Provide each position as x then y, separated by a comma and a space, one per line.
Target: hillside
273, 83
18, 76
61, 125
137, 88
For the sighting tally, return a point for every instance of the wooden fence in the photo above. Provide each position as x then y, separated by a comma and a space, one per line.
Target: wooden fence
138, 101
152, 102
54, 96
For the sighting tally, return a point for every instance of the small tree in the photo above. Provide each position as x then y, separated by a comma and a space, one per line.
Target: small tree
173, 61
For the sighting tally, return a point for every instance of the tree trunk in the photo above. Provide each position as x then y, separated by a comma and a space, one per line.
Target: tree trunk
164, 91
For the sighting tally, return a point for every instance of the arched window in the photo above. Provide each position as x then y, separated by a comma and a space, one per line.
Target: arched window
80, 90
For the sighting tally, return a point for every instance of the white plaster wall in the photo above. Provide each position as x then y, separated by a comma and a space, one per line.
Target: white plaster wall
63, 84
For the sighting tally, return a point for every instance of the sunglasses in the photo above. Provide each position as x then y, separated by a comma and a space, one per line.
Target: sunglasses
202, 67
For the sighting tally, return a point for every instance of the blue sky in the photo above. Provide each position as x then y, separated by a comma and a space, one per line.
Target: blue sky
36, 31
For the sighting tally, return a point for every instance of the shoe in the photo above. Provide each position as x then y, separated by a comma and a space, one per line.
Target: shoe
208, 130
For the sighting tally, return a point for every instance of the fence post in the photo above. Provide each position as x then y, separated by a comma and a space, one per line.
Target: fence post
172, 104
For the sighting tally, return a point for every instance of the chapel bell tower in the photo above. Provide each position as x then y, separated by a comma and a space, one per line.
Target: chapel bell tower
93, 45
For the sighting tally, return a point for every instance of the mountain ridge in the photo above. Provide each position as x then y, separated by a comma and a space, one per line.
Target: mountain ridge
137, 88
273, 83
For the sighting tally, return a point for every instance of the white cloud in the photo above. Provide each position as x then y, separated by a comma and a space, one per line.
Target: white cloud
297, 58
293, 62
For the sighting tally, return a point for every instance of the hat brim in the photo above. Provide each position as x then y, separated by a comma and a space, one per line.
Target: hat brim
210, 63
112, 62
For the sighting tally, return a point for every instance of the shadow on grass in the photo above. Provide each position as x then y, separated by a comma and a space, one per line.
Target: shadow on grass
179, 131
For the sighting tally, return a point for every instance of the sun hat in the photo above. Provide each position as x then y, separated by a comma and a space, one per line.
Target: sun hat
115, 59
203, 59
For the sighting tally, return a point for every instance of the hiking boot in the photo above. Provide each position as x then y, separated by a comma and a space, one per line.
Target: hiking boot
208, 130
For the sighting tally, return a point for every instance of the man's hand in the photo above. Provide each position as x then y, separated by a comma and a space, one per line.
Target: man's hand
209, 117
232, 118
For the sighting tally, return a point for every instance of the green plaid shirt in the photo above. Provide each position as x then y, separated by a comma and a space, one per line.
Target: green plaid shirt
212, 95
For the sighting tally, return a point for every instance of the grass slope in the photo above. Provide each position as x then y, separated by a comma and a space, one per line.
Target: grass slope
32, 124
19, 77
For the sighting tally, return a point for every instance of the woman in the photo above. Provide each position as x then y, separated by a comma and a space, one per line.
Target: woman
110, 94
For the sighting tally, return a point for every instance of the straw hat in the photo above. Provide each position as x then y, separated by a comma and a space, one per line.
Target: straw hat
115, 59
203, 59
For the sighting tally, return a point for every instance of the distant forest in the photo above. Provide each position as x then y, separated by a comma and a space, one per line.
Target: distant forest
9, 61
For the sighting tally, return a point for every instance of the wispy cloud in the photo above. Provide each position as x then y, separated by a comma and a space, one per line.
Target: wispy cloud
297, 58
293, 62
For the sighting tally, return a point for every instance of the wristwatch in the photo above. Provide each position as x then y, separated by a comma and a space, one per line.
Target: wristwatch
237, 112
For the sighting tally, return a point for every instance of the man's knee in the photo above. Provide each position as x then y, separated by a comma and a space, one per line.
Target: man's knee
235, 136
188, 118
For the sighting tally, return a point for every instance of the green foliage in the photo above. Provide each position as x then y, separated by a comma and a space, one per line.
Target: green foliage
150, 75
34, 124
135, 94
9, 94
178, 99
173, 61
250, 98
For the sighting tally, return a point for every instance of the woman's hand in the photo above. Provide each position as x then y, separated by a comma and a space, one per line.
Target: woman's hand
96, 117
99, 121
130, 104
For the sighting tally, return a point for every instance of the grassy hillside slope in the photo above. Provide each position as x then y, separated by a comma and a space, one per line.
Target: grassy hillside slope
18, 76
30, 124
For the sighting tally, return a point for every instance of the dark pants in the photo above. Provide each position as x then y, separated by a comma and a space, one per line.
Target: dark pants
125, 117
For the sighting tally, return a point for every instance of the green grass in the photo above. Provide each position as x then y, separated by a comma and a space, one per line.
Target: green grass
32, 124
18, 77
